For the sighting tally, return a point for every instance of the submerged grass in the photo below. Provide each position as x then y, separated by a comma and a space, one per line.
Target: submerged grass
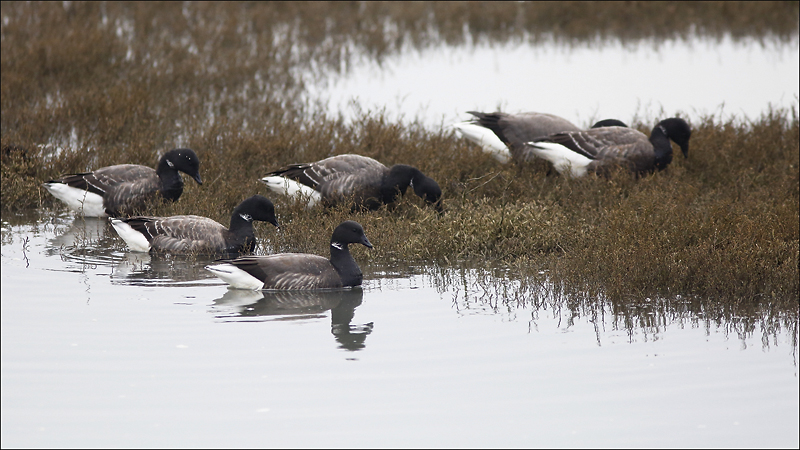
85, 85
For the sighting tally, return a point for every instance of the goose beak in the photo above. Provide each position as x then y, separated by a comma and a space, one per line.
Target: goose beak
685, 150
197, 178
365, 242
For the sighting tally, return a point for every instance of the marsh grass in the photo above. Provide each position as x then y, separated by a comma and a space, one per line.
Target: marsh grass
85, 85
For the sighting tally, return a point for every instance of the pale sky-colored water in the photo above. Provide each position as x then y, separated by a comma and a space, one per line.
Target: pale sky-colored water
108, 348
581, 84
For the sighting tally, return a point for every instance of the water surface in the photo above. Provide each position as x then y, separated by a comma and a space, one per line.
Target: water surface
609, 79
103, 347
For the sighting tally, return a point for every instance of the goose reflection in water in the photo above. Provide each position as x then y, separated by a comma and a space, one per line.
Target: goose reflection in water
238, 304
137, 268
91, 242
81, 233
86, 243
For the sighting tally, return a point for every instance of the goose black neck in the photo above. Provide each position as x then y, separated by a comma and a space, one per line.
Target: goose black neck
171, 181
661, 147
345, 265
242, 228
397, 180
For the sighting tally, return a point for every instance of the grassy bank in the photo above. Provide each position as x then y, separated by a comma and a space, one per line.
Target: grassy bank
89, 85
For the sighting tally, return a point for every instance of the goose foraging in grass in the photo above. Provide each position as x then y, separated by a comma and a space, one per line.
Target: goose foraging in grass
503, 135
299, 270
597, 150
360, 179
196, 234
125, 188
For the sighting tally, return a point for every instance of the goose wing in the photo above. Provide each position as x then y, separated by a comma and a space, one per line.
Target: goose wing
181, 234
128, 197
290, 271
517, 129
102, 180
124, 187
338, 176
610, 143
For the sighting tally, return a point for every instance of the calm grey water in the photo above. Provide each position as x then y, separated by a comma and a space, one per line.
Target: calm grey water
108, 348
646, 80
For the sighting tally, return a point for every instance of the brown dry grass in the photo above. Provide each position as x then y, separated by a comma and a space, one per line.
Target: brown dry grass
122, 83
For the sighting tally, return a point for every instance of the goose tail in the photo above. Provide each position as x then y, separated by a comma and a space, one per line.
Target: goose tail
234, 276
292, 189
564, 160
486, 139
80, 200
136, 241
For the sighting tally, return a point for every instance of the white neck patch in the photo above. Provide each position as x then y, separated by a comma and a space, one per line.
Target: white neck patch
169, 163
336, 245
246, 217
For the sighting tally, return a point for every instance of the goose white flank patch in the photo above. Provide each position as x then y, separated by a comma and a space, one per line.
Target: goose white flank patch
360, 179
299, 270
597, 150
504, 135
123, 189
195, 234
486, 139
291, 188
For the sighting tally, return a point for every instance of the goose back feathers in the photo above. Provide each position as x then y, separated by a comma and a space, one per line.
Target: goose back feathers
299, 270
196, 234
504, 135
596, 150
360, 179
125, 188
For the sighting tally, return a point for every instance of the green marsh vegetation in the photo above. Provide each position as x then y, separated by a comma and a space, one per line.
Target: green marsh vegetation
86, 85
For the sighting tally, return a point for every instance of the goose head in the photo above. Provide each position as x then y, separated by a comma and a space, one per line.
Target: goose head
679, 132
349, 232
184, 160
259, 208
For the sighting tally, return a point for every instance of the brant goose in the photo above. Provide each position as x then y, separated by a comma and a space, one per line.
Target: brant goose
298, 270
196, 234
596, 150
365, 181
122, 189
504, 135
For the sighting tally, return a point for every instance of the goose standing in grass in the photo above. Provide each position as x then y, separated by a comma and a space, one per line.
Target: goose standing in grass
597, 150
365, 181
504, 135
299, 270
196, 234
125, 188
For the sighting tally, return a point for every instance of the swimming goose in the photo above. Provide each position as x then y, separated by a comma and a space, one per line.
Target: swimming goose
503, 135
578, 152
196, 234
298, 270
365, 181
120, 190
